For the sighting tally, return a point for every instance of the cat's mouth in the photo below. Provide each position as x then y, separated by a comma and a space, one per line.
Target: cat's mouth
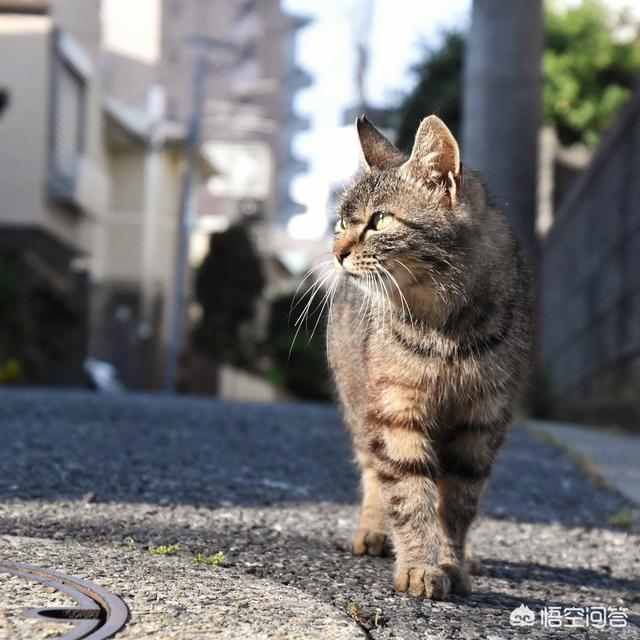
357, 269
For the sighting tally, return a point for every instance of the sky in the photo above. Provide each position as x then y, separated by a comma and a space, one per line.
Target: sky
132, 28
400, 30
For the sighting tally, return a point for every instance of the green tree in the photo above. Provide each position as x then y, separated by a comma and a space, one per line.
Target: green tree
228, 284
588, 72
437, 90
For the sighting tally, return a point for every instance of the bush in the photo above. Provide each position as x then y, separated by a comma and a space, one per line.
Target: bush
228, 284
299, 363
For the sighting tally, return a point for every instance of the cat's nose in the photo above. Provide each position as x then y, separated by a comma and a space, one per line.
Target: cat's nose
341, 254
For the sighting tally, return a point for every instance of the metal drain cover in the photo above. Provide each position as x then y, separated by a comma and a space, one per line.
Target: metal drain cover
99, 614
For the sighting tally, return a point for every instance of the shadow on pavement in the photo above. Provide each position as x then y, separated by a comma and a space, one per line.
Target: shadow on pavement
495, 568
61, 445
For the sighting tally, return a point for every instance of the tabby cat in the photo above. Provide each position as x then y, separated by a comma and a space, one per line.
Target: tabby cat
428, 342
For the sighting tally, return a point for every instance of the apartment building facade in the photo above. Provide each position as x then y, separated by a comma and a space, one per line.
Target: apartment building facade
53, 181
92, 144
250, 87
91, 188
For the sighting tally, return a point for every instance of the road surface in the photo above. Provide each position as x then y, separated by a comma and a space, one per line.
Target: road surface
89, 484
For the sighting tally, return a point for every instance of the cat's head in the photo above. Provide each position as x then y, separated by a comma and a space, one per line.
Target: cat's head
403, 215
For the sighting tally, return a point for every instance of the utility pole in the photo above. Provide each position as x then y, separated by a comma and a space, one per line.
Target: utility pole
185, 223
186, 219
502, 106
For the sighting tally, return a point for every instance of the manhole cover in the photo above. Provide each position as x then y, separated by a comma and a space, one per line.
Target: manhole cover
99, 614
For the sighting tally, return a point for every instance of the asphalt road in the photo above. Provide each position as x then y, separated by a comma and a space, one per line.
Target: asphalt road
90, 483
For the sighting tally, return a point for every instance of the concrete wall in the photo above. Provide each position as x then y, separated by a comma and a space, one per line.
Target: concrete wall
591, 283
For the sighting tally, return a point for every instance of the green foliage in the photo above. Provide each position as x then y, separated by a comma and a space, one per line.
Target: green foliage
215, 560
437, 90
165, 550
299, 362
588, 74
624, 518
228, 284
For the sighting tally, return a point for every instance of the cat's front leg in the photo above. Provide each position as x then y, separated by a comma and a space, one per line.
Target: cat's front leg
406, 467
466, 459
370, 537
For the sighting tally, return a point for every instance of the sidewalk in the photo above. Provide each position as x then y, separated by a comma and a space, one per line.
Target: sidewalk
616, 456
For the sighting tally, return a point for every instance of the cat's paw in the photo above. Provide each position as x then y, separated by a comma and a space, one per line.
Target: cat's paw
369, 542
459, 578
423, 581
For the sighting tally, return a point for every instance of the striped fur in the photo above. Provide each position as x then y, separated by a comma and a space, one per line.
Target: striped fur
429, 343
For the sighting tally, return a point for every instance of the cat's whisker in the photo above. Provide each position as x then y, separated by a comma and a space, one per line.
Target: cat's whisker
389, 301
403, 300
317, 288
385, 295
325, 300
402, 264
378, 307
298, 323
365, 301
385, 298
306, 276
314, 311
371, 302
330, 312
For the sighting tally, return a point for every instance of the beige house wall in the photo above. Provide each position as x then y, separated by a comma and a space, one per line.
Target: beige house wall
24, 68
127, 170
26, 44
123, 229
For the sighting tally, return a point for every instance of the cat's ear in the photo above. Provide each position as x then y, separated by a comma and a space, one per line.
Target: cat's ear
435, 157
377, 151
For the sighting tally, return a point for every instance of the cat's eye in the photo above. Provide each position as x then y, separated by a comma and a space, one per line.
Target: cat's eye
341, 224
380, 220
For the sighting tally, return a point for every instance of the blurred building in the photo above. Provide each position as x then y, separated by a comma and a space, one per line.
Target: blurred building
98, 96
591, 284
54, 181
135, 262
91, 186
249, 120
249, 116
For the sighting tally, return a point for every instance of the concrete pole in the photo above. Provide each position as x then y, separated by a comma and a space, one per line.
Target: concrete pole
187, 214
182, 261
502, 107
151, 202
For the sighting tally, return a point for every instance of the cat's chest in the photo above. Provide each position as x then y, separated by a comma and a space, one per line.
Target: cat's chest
422, 365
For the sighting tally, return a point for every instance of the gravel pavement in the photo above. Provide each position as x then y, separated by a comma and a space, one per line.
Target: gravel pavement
89, 484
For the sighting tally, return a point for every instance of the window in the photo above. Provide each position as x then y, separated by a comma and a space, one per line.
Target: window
68, 97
